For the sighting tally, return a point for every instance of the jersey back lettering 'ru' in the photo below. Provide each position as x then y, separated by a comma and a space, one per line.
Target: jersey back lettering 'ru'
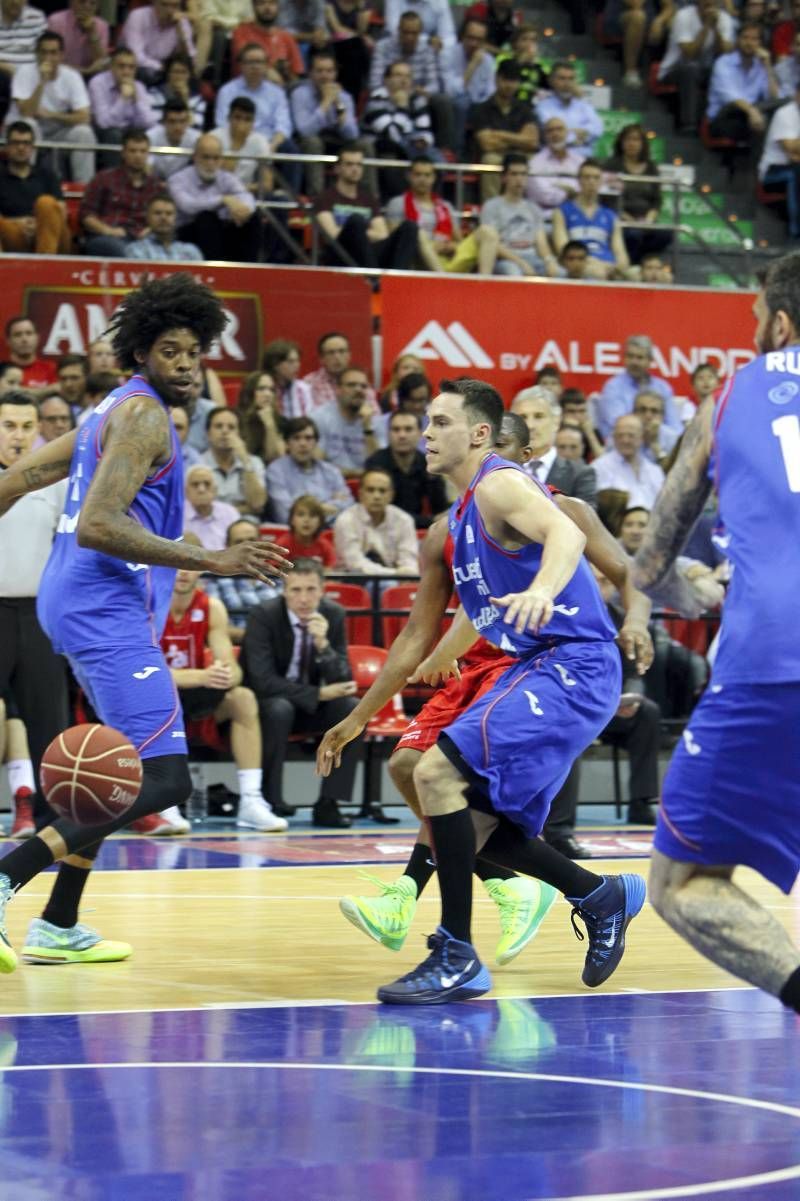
482, 568
87, 597
756, 468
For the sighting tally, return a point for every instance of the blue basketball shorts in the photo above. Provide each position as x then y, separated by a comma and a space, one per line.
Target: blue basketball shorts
732, 792
518, 741
130, 688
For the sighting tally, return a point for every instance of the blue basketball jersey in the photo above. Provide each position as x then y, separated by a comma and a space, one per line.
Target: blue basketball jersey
756, 461
482, 568
595, 231
87, 598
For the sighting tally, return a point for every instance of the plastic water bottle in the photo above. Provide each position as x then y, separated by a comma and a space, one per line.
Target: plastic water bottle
197, 805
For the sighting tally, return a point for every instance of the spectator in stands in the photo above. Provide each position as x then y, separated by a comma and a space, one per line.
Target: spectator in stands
55, 418
571, 443
582, 121
282, 361
197, 625
575, 412
659, 439
417, 493
239, 594
653, 270
273, 119
154, 33
119, 101
408, 46
85, 36
282, 51
55, 97
779, 166
218, 20
398, 120
414, 394
501, 20
215, 209
375, 537
436, 17
441, 246
586, 220
174, 132
301, 473
699, 34
404, 364
260, 417
33, 216
100, 356
638, 201
305, 20
22, 339
619, 392
625, 468
741, 84
523, 247
525, 53
705, 381
550, 377
306, 537
574, 260
553, 170
346, 426
205, 515
180, 419
468, 76
335, 356
351, 218
348, 24
21, 25
160, 243
502, 125
238, 137
787, 72
541, 413
72, 370
239, 476
325, 118
113, 209
180, 83
295, 660
10, 378
98, 386
785, 31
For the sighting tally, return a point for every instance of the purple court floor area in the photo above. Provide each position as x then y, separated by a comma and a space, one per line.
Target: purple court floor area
603, 1096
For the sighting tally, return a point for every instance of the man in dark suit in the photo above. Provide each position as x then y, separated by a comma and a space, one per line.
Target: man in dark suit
295, 660
542, 415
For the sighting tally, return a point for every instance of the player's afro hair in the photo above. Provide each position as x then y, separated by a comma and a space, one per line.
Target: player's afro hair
177, 301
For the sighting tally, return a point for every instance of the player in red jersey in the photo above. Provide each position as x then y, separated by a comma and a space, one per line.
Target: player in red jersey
522, 902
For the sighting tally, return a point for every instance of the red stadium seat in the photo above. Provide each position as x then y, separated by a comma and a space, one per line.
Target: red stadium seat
402, 596
655, 86
353, 596
385, 727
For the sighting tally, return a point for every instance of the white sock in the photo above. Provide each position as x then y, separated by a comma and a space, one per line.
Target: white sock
249, 782
20, 775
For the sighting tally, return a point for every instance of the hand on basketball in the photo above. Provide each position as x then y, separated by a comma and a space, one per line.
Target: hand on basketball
528, 610
219, 675
636, 644
435, 670
329, 751
262, 560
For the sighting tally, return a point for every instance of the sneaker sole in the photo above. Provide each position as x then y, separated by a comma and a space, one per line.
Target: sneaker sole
549, 896
350, 910
111, 953
261, 829
8, 958
475, 987
635, 896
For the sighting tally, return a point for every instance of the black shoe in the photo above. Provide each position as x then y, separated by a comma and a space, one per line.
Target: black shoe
282, 809
642, 813
569, 846
326, 813
376, 814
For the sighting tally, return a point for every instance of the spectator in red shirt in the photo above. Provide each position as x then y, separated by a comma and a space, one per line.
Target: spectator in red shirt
23, 342
114, 206
501, 18
305, 538
783, 34
282, 51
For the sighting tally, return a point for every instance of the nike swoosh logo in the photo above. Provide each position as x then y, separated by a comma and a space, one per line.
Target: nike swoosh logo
145, 673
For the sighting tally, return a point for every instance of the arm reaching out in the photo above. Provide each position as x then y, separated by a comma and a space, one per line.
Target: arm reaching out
47, 465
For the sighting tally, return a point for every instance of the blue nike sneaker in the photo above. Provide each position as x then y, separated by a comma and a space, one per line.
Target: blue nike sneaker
607, 912
452, 972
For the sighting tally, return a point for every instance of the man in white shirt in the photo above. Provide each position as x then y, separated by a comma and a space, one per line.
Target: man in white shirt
467, 71
584, 125
55, 97
238, 474
174, 132
625, 468
374, 537
779, 167
699, 33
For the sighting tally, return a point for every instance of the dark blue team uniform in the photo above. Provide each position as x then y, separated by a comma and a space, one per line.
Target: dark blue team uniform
107, 615
519, 741
732, 792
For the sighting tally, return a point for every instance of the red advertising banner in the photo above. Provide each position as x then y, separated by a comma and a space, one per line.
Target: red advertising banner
505, 331
70, 301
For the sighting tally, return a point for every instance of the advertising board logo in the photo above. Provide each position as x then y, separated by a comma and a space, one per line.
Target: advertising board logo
453, 344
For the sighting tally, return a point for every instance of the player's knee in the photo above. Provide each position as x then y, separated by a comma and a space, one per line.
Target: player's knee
401, 768
165, 782
243, 703
429, 775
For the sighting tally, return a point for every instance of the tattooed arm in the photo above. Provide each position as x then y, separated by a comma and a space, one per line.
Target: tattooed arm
137, 441
47, 465
679, 503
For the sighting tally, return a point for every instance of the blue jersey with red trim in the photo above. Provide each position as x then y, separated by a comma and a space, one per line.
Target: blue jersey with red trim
87, 598
756, 464
482, 568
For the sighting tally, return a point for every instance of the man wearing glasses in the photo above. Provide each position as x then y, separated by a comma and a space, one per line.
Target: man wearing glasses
33, 216
55, 418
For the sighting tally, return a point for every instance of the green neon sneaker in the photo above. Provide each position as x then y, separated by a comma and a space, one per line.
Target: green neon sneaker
8, 956
46, 943
386, 918
523, 904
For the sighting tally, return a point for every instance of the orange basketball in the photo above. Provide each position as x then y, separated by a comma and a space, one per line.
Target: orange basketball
91, 774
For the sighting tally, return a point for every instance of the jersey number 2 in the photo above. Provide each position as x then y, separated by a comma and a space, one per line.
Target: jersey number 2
787, 431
